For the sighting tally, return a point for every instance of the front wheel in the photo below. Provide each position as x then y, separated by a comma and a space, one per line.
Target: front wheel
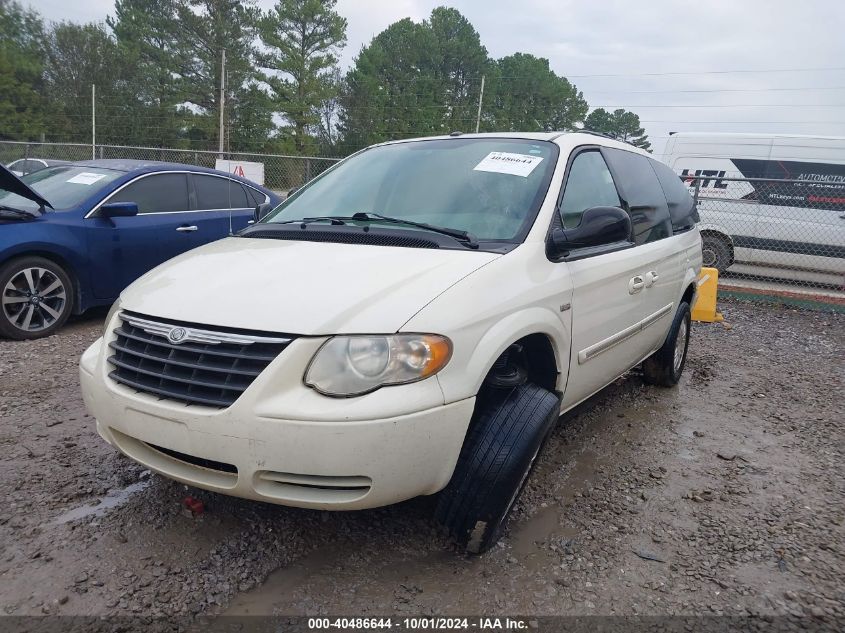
35, 298
716, 252
666, 365
508, 430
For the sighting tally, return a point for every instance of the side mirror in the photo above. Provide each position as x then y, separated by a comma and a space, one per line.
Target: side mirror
261, 211
599, 226
119, 209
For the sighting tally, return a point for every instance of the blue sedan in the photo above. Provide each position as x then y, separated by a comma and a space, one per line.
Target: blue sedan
73, 236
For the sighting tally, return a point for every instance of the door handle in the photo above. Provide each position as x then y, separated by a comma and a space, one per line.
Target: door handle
635, 285
186, 229
650, 278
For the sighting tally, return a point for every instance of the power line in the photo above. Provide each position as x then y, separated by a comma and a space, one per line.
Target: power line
732, 105
660, 74
714, 72
708, 90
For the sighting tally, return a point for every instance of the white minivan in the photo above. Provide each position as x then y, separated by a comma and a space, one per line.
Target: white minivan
411, 322
771, 205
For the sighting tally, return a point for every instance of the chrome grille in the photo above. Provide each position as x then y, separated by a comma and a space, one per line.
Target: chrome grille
188, 363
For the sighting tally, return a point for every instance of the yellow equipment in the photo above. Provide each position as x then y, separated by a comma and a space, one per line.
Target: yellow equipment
704, 308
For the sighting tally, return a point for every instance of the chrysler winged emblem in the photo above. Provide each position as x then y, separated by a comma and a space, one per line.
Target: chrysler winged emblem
177, 335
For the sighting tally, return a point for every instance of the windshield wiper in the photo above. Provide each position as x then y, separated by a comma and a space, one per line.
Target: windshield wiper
15, 213
336, 220
461, 236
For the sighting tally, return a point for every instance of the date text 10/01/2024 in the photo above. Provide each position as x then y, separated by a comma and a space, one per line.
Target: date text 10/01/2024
419, 623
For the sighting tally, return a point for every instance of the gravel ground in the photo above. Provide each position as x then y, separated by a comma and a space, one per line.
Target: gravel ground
723, 496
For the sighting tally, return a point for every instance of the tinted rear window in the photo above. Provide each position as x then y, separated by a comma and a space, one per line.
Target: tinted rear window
219, 193
682, 211
255, 197
640, 188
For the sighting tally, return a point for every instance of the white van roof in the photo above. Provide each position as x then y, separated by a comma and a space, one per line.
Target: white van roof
735, 136
729, 145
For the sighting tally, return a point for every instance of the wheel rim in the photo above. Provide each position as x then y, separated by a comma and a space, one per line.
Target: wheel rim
33, 299
680, 345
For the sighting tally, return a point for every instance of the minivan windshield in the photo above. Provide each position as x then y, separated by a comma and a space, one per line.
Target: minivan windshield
489, 187
63, 187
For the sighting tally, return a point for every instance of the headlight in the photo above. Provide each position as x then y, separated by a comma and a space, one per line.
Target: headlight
355, 365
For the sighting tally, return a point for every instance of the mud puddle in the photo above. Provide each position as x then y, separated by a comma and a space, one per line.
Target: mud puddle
106, 503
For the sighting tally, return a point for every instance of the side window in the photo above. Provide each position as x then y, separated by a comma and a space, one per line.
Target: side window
239, 196
255, 196
158, 193
214, 192
682, 211
588, 185
26, 166
642, 191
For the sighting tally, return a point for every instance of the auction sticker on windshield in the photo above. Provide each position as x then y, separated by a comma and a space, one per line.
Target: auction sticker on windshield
508, 163
86, 178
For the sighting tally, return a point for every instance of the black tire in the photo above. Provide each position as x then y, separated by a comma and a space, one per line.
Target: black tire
36, 298
716, 252
508, 430
663, 368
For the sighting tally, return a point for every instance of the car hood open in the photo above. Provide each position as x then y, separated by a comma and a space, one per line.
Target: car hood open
297, 287
10, 182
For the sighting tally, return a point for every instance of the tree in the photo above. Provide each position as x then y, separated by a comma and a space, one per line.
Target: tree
414, 79
301, 38
207, 28
22, 107
620, 124
328, 112
154, 57
78, 56
527, 96
390, 90
460, 61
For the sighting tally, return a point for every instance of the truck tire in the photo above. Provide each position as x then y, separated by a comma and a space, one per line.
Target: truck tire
508, 430
36, 298
716, 252
665, 366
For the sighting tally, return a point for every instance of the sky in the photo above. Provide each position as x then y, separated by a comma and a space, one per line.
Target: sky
673, 63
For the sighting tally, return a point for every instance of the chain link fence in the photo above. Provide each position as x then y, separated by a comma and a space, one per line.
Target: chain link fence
281, 172
784, 231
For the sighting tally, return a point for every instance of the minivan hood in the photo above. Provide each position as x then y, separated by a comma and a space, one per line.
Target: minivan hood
297, 287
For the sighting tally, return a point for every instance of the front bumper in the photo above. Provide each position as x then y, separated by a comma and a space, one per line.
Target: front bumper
281, 442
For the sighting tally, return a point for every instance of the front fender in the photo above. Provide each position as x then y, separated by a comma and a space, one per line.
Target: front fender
507, 331
476, 346
519, 294
59, 243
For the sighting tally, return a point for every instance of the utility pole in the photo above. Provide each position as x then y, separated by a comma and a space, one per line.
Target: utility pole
222, 99
480, 99
93, 122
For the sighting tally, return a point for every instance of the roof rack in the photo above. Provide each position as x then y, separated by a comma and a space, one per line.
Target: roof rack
608, 136
602, 134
